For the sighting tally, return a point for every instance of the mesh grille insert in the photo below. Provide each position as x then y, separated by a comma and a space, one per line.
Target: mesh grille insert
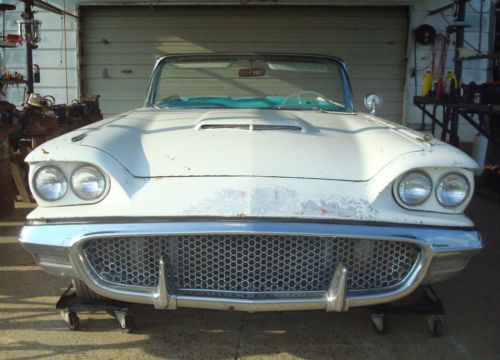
250, 263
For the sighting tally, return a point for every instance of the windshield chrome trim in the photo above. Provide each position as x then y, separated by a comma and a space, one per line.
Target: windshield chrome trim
151, 94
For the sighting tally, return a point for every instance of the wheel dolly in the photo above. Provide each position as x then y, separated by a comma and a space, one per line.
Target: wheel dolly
70, 305
430, 306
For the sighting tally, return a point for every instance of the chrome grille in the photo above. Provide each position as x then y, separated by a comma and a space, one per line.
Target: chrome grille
219, 264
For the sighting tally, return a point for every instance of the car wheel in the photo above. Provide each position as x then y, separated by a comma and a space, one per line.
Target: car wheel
83, 291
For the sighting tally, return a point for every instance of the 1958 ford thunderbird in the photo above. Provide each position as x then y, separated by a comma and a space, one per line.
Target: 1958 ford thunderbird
250, 183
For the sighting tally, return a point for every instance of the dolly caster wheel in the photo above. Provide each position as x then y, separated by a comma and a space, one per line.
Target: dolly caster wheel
436, 326
129, 324
379, 323
72, 320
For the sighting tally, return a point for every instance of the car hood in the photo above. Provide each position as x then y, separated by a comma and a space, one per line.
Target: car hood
263, 143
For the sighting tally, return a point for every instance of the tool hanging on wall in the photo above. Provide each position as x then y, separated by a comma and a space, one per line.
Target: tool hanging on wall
29, 31
425, 34
36, 73
439, 55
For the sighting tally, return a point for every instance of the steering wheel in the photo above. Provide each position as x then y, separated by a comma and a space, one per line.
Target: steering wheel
299, 95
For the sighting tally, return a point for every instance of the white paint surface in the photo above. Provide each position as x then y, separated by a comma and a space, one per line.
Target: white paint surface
325, 172
151, 143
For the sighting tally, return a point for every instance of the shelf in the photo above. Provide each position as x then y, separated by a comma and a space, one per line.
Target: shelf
12, 82
7, 7
495, 55
4, 44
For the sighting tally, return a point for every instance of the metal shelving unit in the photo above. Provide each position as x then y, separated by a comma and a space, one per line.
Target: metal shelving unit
452, 106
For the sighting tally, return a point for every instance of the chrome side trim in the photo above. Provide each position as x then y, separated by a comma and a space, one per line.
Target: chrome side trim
435, 243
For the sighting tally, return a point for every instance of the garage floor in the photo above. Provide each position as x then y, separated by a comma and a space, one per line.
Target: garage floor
30, 328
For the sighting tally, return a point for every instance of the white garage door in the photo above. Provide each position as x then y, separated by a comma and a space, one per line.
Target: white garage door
121, 44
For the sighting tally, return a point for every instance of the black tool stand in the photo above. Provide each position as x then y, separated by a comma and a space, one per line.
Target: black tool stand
70, 305
428, 305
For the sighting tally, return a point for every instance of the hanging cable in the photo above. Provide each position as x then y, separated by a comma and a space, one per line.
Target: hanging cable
65, 51
439, 55
415, 62
480, 12
62, 44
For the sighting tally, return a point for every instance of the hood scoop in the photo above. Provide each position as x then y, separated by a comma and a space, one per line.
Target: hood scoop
275, 121
250, 127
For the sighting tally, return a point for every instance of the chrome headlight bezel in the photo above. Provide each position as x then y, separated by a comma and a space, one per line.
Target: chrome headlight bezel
36, 188
432, 203
405, 176
467, 192
78, 192
67, 168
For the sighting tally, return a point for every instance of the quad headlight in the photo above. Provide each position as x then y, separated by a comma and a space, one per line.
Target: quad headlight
432, 189
88, 183
452, 190
69, 183
50, 183
414, 188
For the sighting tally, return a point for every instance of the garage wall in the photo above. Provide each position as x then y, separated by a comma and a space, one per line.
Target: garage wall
56, 55
119, 45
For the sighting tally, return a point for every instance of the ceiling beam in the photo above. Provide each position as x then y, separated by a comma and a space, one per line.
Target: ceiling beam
54, 9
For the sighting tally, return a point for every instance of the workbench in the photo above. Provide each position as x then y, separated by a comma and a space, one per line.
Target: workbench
452, 110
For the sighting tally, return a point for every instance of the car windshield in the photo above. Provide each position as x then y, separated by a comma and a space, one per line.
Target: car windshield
277, 82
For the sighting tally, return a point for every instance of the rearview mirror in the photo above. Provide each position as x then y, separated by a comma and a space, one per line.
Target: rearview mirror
251, 72
373, 102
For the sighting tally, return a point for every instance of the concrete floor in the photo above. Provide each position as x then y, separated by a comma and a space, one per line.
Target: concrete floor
30, 328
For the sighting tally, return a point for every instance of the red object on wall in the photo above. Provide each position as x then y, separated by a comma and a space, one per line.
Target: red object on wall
13, 39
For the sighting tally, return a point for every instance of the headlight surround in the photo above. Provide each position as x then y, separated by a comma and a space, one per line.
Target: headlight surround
88, 183
452, 190
414, 188
50, 183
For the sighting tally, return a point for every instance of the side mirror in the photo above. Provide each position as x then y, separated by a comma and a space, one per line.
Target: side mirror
373, 102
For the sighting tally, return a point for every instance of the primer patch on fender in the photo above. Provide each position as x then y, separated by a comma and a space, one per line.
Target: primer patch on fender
282, 202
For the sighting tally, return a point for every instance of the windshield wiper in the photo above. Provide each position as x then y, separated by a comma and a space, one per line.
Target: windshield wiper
299, 108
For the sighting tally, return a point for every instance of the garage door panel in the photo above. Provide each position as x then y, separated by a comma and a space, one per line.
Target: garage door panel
110, 106
120, 45
191, 11
116, 83
249, 24
355, 50
268, 18
351, 57
143, 72
334, 34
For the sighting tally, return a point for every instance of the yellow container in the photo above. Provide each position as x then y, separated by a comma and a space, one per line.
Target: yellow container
427, 83
451, 82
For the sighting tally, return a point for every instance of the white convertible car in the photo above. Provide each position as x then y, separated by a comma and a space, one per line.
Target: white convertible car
250, 183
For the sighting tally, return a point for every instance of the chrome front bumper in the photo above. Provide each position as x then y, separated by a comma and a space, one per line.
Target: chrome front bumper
57, 248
